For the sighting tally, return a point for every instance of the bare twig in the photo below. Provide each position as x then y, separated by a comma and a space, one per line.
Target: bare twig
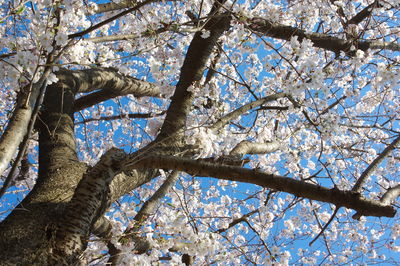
325, 226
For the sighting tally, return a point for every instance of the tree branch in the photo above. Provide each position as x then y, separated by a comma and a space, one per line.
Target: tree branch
86, 205
147, 33
132, 234
18, 126
358, 186
391, 194
107, 7
324, 41
192, 70
363, 14
122, 116
298, 188
248, 147
243, 109
105, 22
107, 81
22, 149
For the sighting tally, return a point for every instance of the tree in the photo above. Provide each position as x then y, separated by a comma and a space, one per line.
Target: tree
199, 132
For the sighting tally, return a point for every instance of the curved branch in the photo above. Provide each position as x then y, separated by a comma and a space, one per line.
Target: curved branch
298, 188
132, 234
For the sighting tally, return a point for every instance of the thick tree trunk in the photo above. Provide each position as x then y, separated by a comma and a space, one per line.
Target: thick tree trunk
27, 233
38, 231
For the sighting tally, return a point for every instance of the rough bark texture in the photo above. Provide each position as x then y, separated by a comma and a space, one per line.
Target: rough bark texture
27, 233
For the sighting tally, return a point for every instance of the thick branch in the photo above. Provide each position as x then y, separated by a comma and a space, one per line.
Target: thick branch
111, 6
108, 83
84, 209
324, 41
192, 70
391, 194
298, 188
106, 7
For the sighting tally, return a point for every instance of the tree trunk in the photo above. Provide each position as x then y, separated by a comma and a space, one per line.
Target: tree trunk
26, 235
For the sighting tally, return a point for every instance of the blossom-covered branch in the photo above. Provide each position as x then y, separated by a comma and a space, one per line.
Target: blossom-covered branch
132, 233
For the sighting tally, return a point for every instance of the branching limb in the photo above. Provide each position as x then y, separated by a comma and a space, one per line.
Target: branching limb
243, 218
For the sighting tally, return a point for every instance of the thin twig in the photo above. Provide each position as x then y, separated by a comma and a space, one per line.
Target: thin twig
325, 226
98, 25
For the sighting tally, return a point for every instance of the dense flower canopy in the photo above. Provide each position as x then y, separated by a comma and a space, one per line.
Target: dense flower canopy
303, 92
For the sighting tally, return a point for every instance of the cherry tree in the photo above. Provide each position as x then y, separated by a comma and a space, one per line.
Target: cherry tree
199, 132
